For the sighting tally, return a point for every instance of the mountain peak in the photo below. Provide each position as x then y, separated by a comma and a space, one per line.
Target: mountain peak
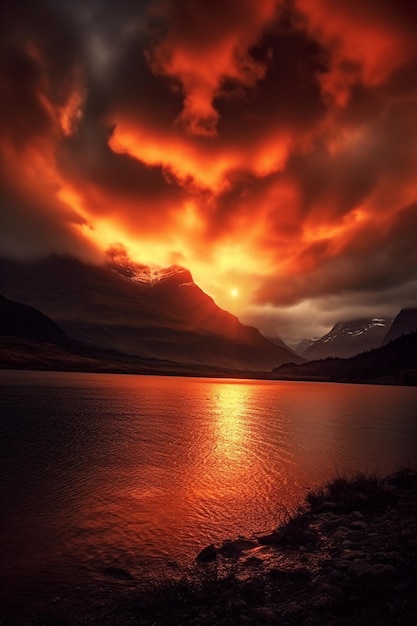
404, 324
347, 338
147, 275
147, 312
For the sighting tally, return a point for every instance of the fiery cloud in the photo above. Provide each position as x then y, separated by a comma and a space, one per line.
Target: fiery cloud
204, 44
269, 146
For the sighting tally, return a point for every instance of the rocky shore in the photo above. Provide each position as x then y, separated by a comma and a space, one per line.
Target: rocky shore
348, 556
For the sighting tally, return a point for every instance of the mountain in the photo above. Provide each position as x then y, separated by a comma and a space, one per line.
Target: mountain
20, 320
304, 344
276, 339
347, 339
394, 363
31, 340
138, 311
404, 324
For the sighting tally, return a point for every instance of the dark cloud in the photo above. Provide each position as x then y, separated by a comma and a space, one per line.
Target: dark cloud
267, 145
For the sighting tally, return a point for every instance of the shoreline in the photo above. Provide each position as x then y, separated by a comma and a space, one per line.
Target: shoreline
391, 364
347, 556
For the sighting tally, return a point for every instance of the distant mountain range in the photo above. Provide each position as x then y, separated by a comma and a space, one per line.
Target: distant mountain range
346, 339
394, 363
60, 313
141, 313
349, 338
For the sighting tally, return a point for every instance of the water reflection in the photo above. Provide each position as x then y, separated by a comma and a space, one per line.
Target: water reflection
133, 471
218, 459
229, 426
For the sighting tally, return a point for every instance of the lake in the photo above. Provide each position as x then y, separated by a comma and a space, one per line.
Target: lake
137, 472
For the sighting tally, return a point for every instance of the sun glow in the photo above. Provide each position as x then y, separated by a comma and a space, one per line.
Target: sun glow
234, 292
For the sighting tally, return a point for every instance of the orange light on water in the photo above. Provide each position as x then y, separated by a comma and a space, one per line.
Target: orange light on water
229, 426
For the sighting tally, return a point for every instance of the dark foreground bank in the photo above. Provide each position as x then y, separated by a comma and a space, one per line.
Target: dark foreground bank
348, 556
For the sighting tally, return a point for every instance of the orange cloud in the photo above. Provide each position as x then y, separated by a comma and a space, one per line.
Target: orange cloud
205, 45
366, 41
209, 168
33, 189
269, 146
181, 158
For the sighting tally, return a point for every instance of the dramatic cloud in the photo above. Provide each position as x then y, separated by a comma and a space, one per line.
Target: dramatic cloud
204, 44
268, 145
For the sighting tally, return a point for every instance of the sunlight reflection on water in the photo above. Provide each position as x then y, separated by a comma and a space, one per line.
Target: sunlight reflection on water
132, 471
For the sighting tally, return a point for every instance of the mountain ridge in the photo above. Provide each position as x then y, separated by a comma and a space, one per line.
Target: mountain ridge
26, 322
168, 318
404, 324
346, 339
394, 363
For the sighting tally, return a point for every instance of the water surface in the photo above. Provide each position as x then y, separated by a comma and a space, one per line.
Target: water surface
103, 470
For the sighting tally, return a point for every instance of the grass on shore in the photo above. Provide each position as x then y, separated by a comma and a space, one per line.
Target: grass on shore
190, 600
360, 492
216, 593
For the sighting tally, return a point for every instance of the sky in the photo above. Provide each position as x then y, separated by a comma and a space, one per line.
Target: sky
269, 146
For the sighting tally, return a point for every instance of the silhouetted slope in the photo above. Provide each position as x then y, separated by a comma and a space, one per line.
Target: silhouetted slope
20, 320
395, 363
159, 315
404, 324
31, 340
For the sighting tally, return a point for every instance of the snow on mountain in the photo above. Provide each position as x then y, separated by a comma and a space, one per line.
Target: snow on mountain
146, 275
304, 344
141, 311
346, 339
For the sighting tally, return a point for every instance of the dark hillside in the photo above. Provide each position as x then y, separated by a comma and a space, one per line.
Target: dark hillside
20, 320
395, 363
404, 324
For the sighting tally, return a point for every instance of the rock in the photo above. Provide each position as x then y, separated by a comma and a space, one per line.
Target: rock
270, 540
322, 601
337, 575
253, 587
253, 561
340, 564
359, 525
300, 573
234, 548
293, 608
118, 572
328, 505
239, 605
331, 590
209, 553
379, 571
388, 557
277, 572
265, 614
294, 573
330, 517
353, 554
361, 570
340, 533
384, 570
